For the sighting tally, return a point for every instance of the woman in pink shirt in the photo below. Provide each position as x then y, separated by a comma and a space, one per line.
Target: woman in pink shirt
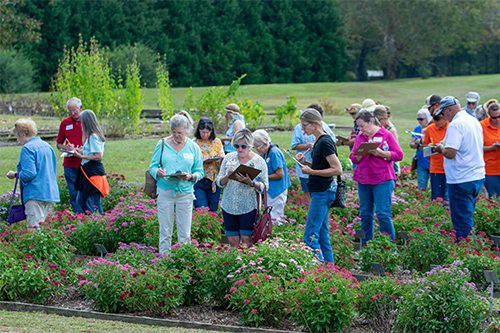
375, 174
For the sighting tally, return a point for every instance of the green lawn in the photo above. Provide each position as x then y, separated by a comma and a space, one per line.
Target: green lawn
131, 157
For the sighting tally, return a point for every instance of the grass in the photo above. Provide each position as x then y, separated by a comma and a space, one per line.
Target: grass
24, 322
131, 157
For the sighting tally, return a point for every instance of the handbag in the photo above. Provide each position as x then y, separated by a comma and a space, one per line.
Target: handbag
150, 185
414, 162
263, 225
16, 212
340, 195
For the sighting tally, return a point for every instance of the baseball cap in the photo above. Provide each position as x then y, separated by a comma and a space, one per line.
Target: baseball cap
444, 103
431, 100
472, 97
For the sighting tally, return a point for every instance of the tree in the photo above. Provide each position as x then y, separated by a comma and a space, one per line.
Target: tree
388, 33
16, 27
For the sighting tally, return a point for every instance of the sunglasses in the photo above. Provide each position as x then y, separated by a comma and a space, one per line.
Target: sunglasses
420, 119
237, 146
203, 121
494, 117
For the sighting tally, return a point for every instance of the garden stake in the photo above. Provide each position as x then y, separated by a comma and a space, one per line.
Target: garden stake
360, 234
492, 277
101, 249
403, 235
378, 268
496, 241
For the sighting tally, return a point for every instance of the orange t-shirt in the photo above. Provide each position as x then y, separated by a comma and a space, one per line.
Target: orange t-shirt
492, 158
437, 134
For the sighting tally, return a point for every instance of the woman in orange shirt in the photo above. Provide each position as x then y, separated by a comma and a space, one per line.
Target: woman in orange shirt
434, 134
491, 134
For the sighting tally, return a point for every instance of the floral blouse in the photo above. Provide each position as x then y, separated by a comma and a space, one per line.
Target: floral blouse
239, 198
211, 149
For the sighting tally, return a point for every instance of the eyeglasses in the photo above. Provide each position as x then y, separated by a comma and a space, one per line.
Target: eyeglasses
258, 147
305, 125
73, 111
471, 102
430, 106
237, 146
420, 119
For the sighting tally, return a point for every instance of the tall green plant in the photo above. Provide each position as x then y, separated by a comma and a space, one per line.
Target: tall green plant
288, 110
84, 73
164, 97
254, 113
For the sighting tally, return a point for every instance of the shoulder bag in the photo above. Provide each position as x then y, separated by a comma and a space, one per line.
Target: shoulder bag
340, 195
16, 212
150, 185
263, 225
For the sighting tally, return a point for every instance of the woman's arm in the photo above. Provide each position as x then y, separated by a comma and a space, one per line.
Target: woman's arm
236, 126
277, 175
335, 168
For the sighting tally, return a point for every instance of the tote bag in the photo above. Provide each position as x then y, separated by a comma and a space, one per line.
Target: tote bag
263, 225
150, 184
16, 212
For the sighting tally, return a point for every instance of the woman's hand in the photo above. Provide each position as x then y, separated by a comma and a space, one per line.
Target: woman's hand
186, 177
244, 178
11, 174
161, 173
306, 169
230, 171
300, 157
380, 153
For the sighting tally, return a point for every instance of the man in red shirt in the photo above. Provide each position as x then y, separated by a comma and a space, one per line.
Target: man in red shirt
69, 138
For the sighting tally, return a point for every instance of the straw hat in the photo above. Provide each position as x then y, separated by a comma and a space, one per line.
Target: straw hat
354, 108
368, 105
233, 109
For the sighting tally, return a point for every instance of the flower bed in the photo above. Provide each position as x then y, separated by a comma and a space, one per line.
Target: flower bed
275, 281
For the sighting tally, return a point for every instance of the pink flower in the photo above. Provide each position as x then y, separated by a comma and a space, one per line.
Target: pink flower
124, 224
254, 311
246, 301
255, 282
233, 289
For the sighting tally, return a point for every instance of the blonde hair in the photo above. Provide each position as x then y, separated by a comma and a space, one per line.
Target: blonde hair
245, 135
26, 126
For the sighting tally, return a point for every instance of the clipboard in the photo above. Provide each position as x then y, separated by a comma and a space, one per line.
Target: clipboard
244, 169
342, 138
178, 173
365, 147
289, 153
212, 159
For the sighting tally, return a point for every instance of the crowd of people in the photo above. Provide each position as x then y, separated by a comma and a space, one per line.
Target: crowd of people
457, 148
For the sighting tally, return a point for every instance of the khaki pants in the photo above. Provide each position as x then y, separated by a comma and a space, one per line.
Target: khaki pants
36, 211
180, 206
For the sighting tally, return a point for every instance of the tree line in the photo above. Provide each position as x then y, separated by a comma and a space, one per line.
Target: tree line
210, 42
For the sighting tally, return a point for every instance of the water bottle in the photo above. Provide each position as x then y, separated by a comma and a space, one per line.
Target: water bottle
385, 147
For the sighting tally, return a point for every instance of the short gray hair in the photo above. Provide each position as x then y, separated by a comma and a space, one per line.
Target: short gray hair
261, 136
74, 101
245, 135
182, 119
425, 112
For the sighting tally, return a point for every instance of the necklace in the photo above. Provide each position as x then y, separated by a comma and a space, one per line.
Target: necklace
178, 143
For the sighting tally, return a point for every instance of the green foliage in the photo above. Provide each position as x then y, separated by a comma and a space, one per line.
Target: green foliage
442, 301
206, 226
16, 73
486, 217
260, 300
124, 55
115, 287
85, 73
254, 113
426, 247
288, 110
15, 26
323, 299
164, 97
380, 249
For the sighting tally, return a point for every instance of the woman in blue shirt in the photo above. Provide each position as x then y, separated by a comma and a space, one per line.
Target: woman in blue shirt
234, 122
37, 173
180, 168
279, 182
423, 118
91, 180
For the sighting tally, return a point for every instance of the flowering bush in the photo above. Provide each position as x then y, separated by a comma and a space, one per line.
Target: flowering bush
324, 299
486, 216
113, 287
342, 241
442, 301
206, 226
260, 299
380, 249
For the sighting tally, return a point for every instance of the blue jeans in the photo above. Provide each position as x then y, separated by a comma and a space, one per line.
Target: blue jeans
492, 184
91, 204
204, 196
379, 196
70, 175
316, 232
439, 188
422, 177
462, 204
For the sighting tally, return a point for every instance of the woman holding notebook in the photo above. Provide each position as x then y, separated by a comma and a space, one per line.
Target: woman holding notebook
239, 200
375, 173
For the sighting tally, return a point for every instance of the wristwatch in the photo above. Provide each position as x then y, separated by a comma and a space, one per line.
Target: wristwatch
341, 143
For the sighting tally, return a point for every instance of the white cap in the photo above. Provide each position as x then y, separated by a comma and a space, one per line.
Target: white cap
472, 97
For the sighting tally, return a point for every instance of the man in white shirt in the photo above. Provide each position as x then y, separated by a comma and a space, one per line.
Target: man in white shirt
463, 163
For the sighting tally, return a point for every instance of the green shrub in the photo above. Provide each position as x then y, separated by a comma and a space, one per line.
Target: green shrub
442, 301
382, 250
123, 55
16, 73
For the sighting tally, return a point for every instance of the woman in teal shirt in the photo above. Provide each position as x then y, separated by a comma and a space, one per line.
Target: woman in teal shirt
183, 158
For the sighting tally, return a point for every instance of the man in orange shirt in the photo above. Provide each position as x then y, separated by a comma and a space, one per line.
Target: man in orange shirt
491, 149
434, 134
